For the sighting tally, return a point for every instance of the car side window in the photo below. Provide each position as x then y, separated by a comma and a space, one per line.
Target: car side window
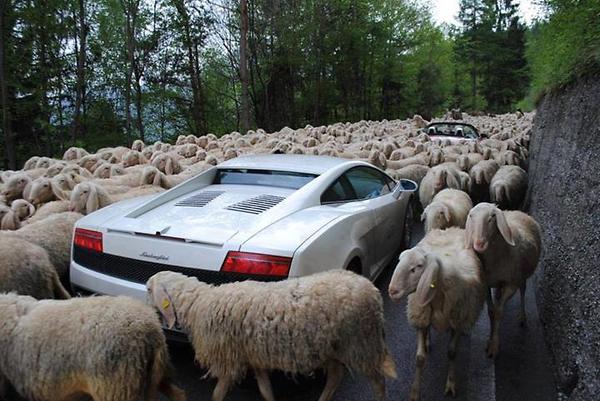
339, 191
368, 182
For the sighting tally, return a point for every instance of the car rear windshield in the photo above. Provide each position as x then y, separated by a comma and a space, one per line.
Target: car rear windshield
267, 178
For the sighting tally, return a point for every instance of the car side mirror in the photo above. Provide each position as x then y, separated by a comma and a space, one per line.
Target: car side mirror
403, 186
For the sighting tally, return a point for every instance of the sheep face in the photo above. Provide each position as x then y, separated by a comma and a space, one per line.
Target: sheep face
79, 198
416, 271
44, 190
54, 170
485, 223
14, 187
436, 215
22, 209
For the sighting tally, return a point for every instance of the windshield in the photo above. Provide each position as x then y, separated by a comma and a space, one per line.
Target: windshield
267, 178
458, 130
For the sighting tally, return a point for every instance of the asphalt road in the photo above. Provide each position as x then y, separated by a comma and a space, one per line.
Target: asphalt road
523, 370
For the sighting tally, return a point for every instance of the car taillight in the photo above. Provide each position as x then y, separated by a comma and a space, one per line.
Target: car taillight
256, 263
88, 239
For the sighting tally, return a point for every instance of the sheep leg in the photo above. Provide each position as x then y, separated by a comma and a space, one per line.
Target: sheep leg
490, 307
335, 374
421, 357
264, 384
494, 345
522, 316
221, 389
451, 381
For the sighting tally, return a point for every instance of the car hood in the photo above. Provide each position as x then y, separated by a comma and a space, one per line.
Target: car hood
211, 215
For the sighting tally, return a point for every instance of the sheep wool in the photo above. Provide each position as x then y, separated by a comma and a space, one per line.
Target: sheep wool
130, 359
297, 325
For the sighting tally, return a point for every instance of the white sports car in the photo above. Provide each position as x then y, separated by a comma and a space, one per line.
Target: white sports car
265, 217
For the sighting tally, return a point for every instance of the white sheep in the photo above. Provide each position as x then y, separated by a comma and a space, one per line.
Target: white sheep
16, 187
74, 153
449, 208
445, 290
87, 197
27, 270
414, 172
330, 320
508, 187
44, 190
509, 245
166, 163
109, 348
481, 176
445, 175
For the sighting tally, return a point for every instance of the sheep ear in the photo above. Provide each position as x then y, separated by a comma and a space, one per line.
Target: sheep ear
27, 190
163, 302
169, 166
428, 283
92, 203
423, 215
503, 227
469, 234
31, 209
446, 213
59, 193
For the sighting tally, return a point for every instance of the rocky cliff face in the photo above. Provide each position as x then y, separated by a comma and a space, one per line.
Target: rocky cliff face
564, 196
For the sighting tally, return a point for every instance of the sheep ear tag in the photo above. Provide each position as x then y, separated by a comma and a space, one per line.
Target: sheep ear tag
165, 306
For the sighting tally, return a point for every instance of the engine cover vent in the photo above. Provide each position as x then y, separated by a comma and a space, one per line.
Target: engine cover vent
201, 199
256, 205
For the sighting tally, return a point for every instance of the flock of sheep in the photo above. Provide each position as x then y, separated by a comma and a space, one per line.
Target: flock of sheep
115, 348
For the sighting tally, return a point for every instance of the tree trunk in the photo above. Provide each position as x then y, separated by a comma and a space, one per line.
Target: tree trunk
76, 128
245, 101
129, 39
9, 139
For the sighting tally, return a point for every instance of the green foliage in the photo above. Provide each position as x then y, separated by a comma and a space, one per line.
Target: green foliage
565, 46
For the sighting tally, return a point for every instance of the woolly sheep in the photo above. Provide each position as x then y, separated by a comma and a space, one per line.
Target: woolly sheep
449, 208
138, 145
15, 186
23, 209
44, 190
346, 308
27, 270
74, 153
445, 290
55, 169
31, 163
445, 175
49, 209
481, 176
132, 158
103, 327
508, 187
509, 245
107, 170
414, 172
167, 164
87, 197
54, 234
8, 218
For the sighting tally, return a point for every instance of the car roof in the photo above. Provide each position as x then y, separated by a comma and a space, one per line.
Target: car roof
282, 162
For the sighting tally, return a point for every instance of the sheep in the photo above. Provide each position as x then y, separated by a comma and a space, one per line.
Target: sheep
23, 209
132, 158
414, 172
509, 245
508, 187
138, 145
465, 162
346, 308
44, 190
54, 234
449, 208
481, 176
31, 163
107, 170
104, 327
27, 270
49, 209
419, 121
445, 290
87, 197
445, 175
74, 153
55, 169
167, 164
15, 187
8, 218
89, 162
508, 157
